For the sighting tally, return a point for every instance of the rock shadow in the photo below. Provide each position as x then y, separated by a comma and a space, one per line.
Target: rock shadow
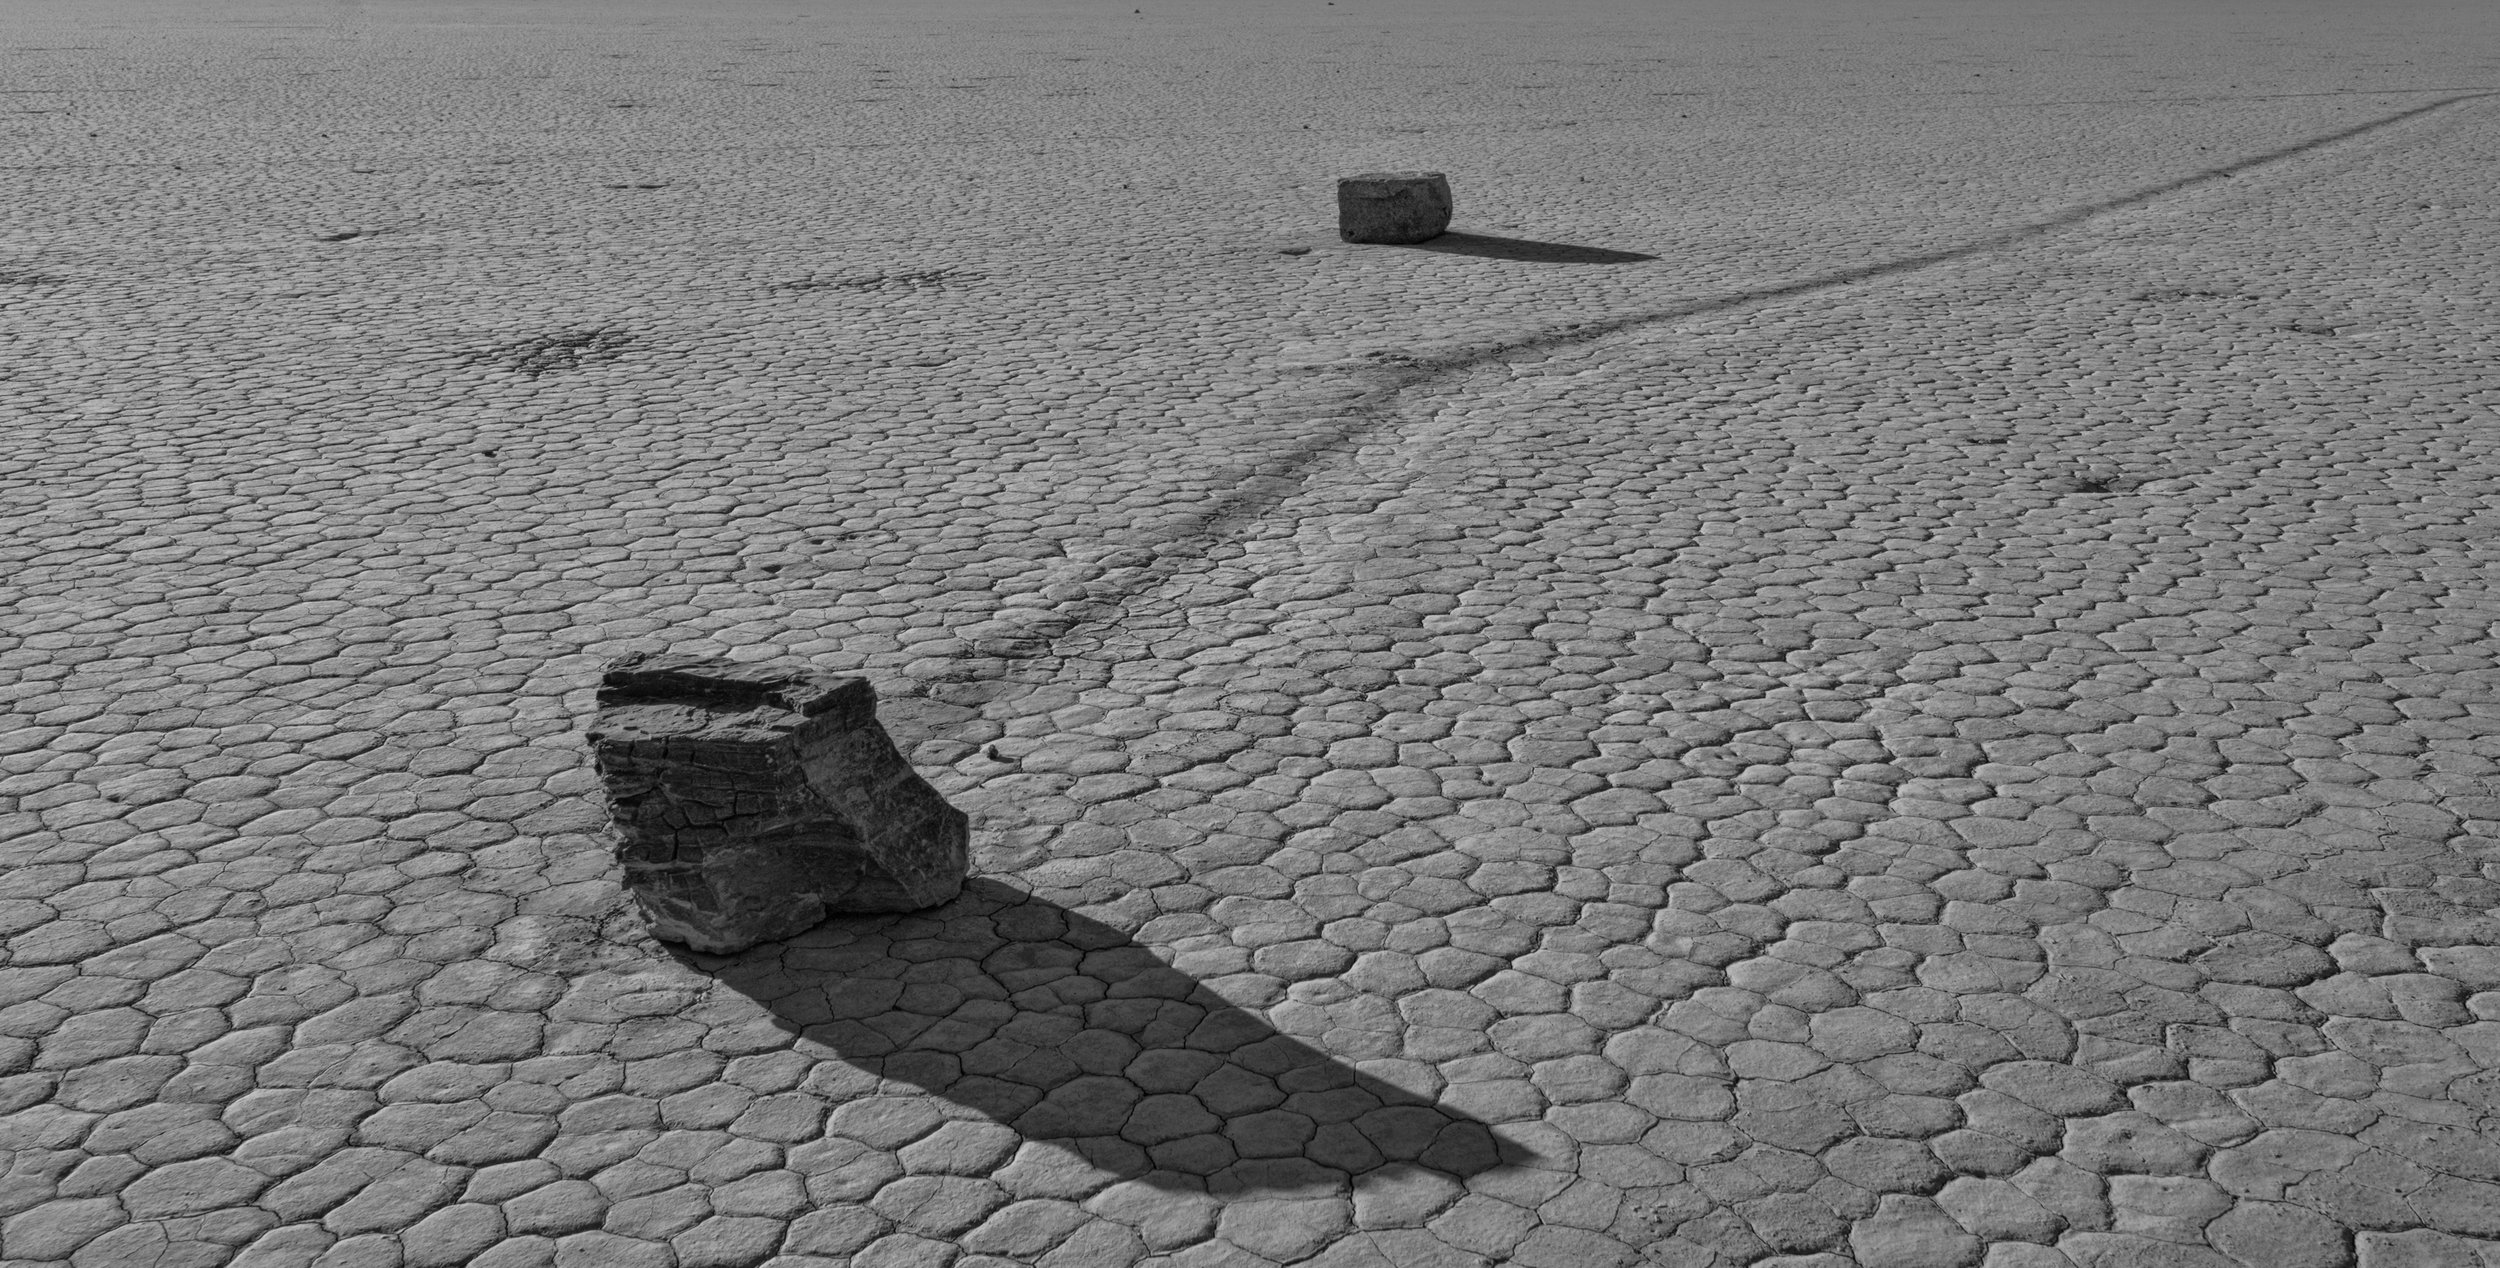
1066, 1030
1534, 252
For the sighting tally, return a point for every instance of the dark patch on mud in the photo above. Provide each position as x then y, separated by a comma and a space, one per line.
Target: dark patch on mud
924, 280
564, 350
2096, 480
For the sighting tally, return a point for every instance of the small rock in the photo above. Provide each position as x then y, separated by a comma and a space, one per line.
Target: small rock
1393, 207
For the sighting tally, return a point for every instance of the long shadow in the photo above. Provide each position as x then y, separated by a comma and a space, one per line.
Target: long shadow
1066, 1030
1493, 248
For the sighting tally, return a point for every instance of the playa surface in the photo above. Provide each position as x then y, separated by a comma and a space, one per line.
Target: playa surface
1886, 658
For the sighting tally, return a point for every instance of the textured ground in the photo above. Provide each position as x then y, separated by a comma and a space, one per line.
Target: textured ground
1890, 660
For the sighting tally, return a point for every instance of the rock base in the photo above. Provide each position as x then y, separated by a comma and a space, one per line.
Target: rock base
751, 801
1393, 207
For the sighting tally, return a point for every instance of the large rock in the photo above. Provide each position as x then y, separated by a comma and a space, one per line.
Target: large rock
754, 800
1393, 207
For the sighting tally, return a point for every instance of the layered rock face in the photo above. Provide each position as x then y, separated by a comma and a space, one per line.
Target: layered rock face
1393, 207
752, 801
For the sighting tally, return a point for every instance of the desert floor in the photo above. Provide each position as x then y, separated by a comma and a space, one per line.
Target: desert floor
1887, 659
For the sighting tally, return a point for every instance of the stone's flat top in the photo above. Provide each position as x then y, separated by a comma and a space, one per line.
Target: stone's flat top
1946, 719
712, 722
1391, 178
674, 696
711, 682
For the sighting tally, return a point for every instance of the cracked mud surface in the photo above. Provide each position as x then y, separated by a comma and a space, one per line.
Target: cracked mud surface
1891, 663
